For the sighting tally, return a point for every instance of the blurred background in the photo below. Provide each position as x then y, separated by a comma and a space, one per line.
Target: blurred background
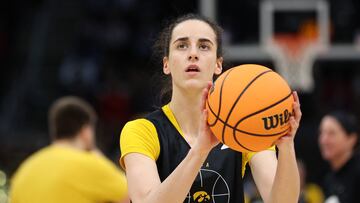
101, 50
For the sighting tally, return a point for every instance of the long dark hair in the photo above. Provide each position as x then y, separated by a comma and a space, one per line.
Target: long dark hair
162, 44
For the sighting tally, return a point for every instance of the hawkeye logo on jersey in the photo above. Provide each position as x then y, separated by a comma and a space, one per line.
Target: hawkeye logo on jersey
201, 197
209, 186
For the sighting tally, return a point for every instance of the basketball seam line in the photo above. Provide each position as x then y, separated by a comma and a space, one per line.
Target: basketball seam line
264, 109
238, 98
220, 98
234, 132
245, 132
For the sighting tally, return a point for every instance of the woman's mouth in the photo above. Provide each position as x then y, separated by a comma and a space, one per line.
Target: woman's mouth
192, 68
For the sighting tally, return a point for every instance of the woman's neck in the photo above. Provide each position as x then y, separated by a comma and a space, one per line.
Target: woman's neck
340, 161
186, 109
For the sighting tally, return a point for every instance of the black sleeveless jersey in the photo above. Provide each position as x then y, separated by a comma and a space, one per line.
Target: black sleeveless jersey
218, 181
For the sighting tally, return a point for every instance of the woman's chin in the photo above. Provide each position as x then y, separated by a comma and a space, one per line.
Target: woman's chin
195, 84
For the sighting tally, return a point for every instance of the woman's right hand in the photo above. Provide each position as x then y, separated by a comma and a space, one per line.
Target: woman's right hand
206, 140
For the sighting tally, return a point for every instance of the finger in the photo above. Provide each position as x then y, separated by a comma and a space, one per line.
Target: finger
291, 134
296, 107
293, 126
205, 94
296, 97
204, 118
209, 85
297, 112
205, 115
203, 99
206, 127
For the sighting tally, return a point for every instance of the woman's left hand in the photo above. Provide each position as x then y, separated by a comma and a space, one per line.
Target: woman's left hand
294, 125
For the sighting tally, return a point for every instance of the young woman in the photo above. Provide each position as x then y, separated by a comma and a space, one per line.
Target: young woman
171, 154
338, 140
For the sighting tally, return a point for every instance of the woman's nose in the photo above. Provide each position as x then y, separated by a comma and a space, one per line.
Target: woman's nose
193, 54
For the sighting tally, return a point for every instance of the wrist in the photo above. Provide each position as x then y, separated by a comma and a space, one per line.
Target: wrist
198, 152
289, 146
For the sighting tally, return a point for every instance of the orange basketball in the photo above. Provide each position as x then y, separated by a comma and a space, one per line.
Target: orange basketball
249, 107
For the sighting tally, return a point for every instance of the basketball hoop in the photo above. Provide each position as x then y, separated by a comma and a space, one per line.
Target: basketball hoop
294, 55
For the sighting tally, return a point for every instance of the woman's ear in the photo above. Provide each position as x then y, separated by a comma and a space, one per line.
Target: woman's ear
166, 69
218, 68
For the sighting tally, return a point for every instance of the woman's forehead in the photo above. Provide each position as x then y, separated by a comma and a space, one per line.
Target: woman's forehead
193, 29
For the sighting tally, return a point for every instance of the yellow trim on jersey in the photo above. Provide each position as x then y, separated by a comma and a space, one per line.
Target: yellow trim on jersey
166, 109
140, 136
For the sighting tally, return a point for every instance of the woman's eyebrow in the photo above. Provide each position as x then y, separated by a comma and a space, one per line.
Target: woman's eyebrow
181, 39
206, 40
184, 39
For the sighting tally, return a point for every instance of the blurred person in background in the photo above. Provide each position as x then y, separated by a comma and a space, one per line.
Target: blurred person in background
339, 140
71, 169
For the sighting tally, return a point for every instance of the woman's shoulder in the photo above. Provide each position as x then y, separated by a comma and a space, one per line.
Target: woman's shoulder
140, 124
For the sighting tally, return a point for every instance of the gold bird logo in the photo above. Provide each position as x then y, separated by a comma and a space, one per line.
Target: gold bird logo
201, 196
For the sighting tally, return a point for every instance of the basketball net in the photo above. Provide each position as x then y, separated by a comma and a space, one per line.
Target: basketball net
294, 56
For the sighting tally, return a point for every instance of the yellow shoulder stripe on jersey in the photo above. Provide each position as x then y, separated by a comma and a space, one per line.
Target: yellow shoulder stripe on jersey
139, 136
166, 109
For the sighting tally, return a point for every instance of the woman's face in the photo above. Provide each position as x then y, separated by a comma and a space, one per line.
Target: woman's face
192, 59
333, 140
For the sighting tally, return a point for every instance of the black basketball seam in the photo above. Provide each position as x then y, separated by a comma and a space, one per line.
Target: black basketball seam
248, 133
260, 135
264, 109
244, 146
220, 98
238, 98
212, 111
256, 136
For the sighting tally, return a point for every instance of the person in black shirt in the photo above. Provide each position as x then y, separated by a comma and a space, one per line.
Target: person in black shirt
338, 140
171, 156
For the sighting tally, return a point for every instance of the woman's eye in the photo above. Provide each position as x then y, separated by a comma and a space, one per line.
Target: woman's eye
182, 46
204, 47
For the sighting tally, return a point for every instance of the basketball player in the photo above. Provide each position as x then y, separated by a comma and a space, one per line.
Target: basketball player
70, 170
339, 141
171, 154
